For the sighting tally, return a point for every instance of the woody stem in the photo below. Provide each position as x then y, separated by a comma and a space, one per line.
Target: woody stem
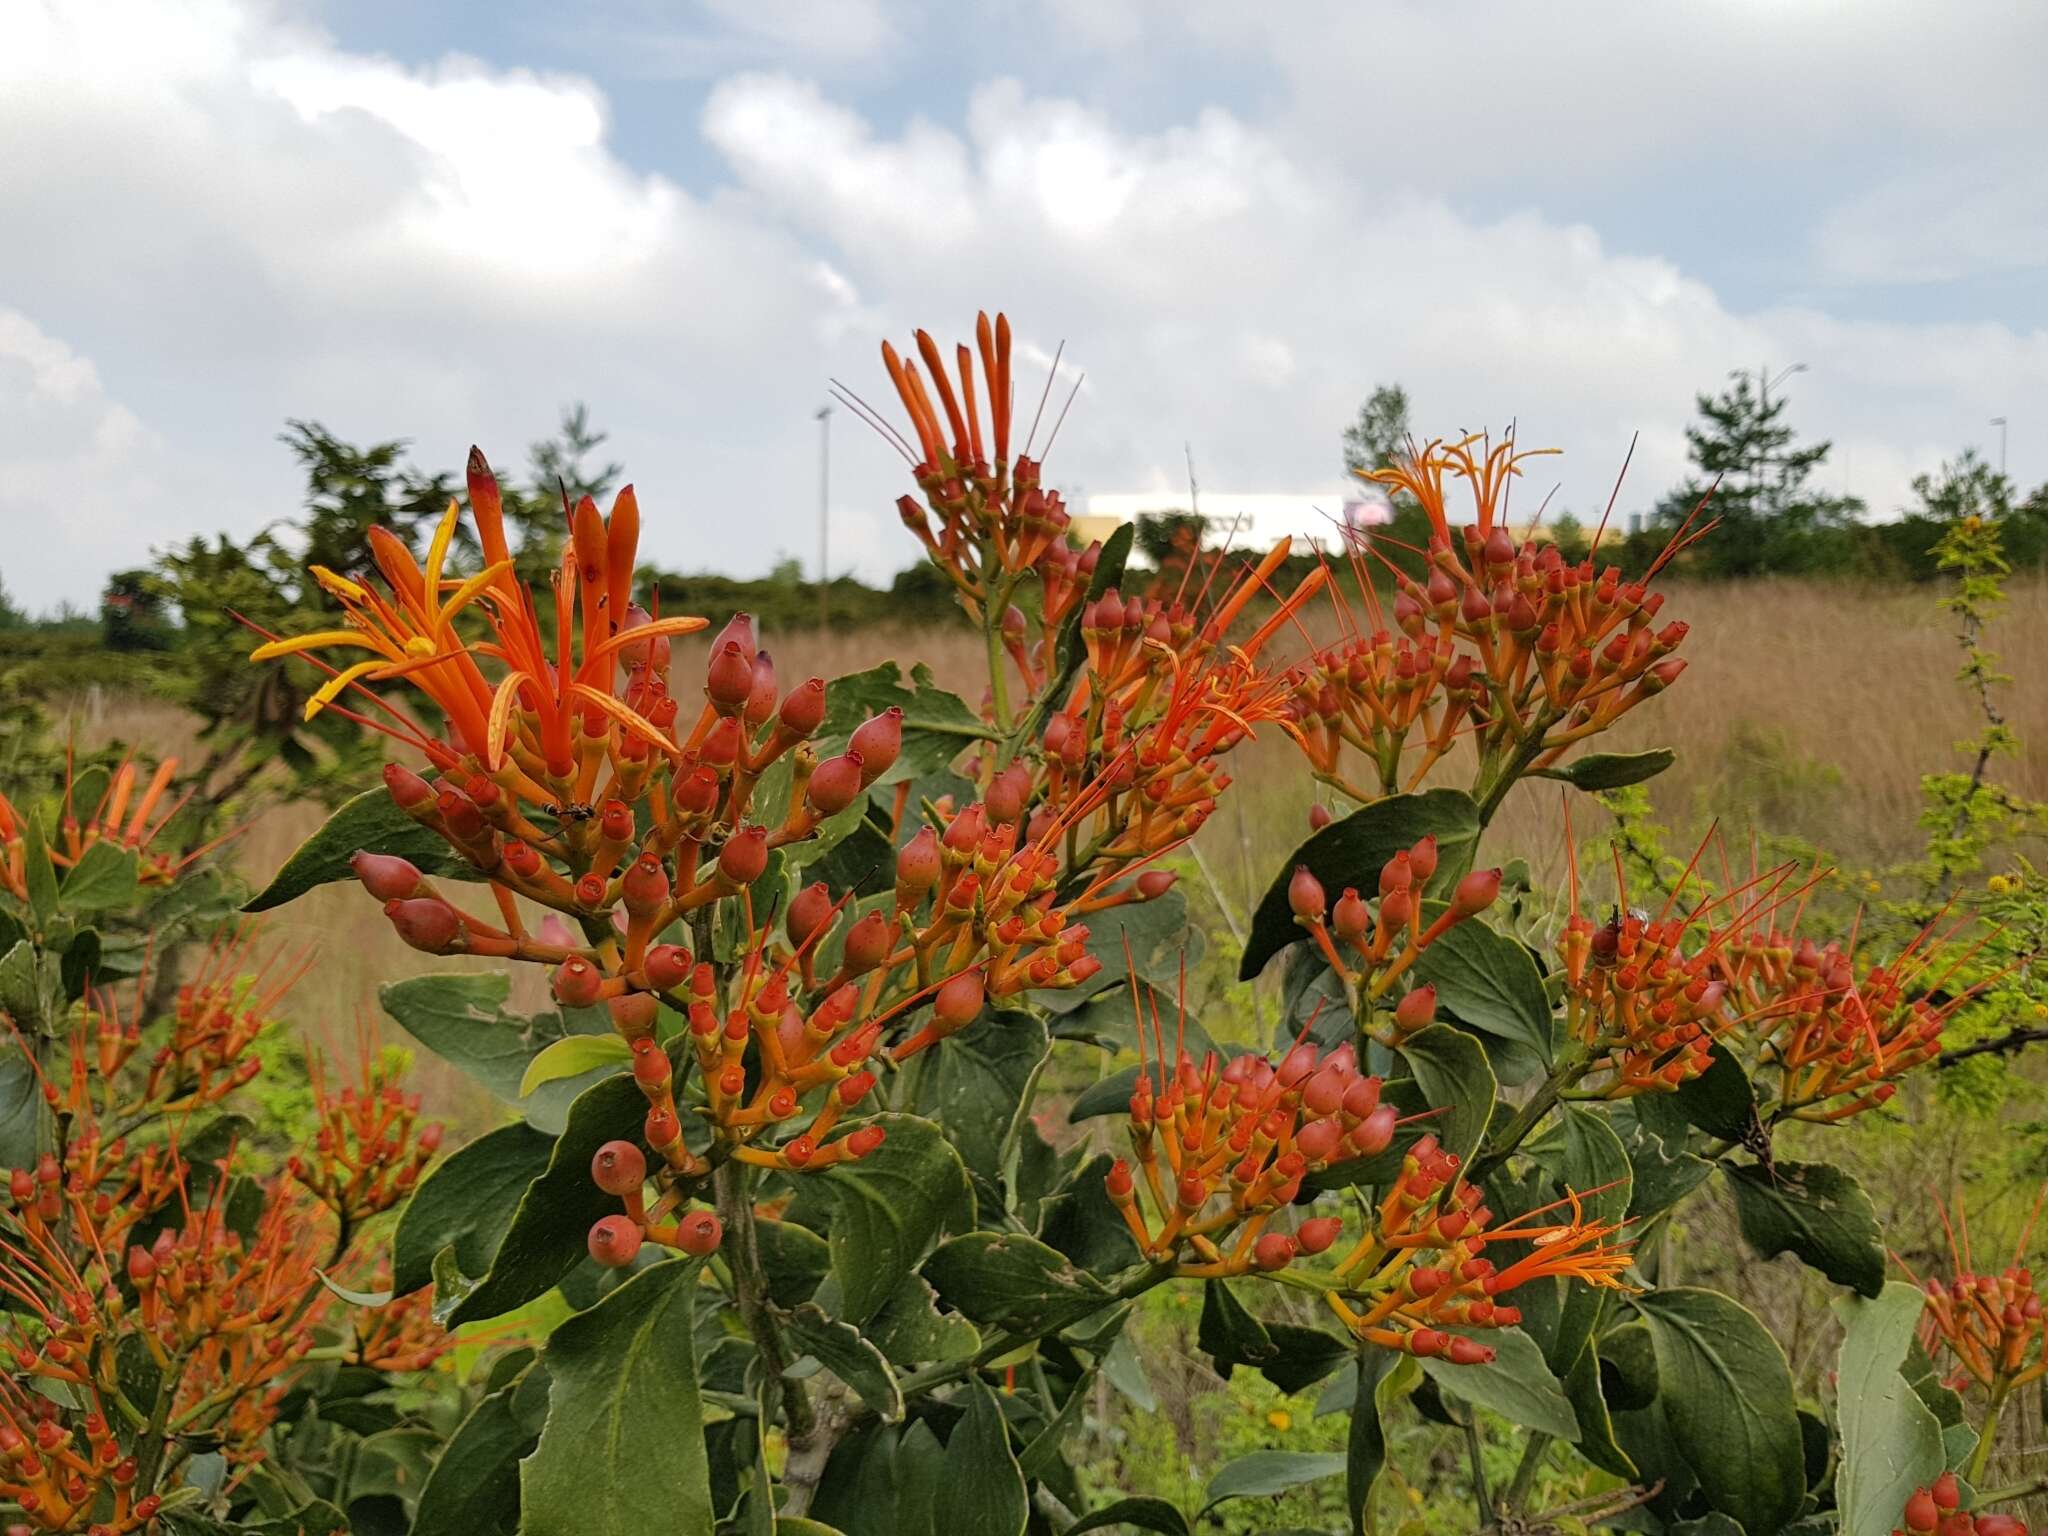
732, 1185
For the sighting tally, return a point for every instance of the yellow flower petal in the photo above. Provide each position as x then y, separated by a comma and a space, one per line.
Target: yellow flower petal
334, 685
501, 715
626, 717
318, 640
339, 585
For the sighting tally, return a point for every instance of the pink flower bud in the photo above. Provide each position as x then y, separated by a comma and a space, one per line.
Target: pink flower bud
1422, 859
761, 698
918, 864
1273, 1250
1305, 895
1417, 1010
1154, 883
1319, 817
618, 1168
1317, 1234
407, 788
879, 742
803, 711
615, 1242
810, 907
385, 875
729, 679
426, 923
834, 784
1475, 893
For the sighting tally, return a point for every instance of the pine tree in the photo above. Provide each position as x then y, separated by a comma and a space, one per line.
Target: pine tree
1379, 433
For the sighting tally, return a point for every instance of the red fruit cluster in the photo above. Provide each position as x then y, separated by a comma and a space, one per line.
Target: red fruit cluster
1989, 1325
1510, 644
61, 1476
1371, 944
1936, 1511
1647, 1011
618, 1168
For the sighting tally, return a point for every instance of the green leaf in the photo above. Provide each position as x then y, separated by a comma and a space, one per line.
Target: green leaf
975, 1086
1517, 1384
1891, 1440
1069, 653
1161, 937
81, 962
840, 1348
910, 1330
1107, 1096
1487, 982
551, 1227
370, 822
474, 1487
22, 1109
1351, 852
1580, 1153
1042, 1456
1725, 1392
38, 872
793, 1258
937, 725
461, 1017
622, 1453
1659, 1176
890, 1208
102, 879
1720, 1100
1815, 1212
351, 1297
467, 1201
1451, 1069
1613, 770
1009, 1281
1377, 1382
1138, 1514
1302, 1356
1268, 1472
989, 1494
1079, 1220
1582, 1388
572, 1056
1228, 1333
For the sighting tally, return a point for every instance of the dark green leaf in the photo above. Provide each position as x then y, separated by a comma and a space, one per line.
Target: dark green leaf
1266, 1472
911, 1330
622, 1453
1109, 1096
1516, 1384
474, 1487
551, 1227
1719, 1101
1487, 982
1726, 1397
467, 1201
1139, 1514
890, 1208
1351, 852
1160, 938
975, 1086
1079, 1220
1613, 770
840, 1348
793, 1258
1365, 1440
81, 962
989, 1497
1891, 1441
1659, 1176
1009, 1281
22, 1110
371, 822
937, 725
1302, 1356
1450, 1068
1228, 1334
1041, 1457
461, 1017
1070, 651
38, 873
1596, 1441
1815, 1212
102, 879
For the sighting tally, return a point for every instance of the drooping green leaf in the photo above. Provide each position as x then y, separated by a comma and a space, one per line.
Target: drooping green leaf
975, 1087
1815, 1212
622, 1452
1352, 851
1488, 983
22, 1109
1267, 1472
370, 822
1137, 1514
1613, 770
25, 990
573, 1056
1377, 1382
1228, 1333
1720, 1100
38, 873
1891, 1441
1302, 1356
1596, 1442
1107, 1096
989, 1496
102, 879
466, 1202
890, 1208
1450, 1068
474, 1486
856, 1361
1006, 1280
461, 1017
551, 1226
1517, 1384
1041, 1457
1726, 1397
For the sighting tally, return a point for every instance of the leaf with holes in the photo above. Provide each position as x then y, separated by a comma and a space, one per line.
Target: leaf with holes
1815, 1212
1009, 1281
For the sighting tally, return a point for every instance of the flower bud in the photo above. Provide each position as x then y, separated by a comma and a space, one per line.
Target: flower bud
668, 966
810, 909
633, 1014
744, 856
615, 1242
1273, 1250
1422, 859
1317, 1234
803, 710
1155, 883
867, 944
618, 1168
1319, 817
699, 1233
650, 1065
1305, 895
578, 983
761, 699
1417, 1010
918, 865
645, 886
1118, 1182
864, 1141
1350, 919
662, 1128
426, 923
385, 875
1475, 893
739, 631
697, 793
1006, 794
408, 789
878, 742
959, 1000
1464, 1351
835, 783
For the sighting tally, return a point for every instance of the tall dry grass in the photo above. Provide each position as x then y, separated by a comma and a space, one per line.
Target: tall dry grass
1808, 710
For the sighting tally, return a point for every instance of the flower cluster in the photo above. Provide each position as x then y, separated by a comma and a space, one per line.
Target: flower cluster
1938, 1509
1223, 1149
1989, 1325
1371, 947
370, 1148
59, 1476
1524, 651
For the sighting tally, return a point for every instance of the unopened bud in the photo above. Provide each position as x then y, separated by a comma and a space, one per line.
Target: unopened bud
615, 1242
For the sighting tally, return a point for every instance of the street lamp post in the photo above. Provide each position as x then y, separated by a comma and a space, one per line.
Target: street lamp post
1764, 385
1999, 422
824, 515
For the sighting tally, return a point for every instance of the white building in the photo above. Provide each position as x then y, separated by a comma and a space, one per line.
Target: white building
1254, 521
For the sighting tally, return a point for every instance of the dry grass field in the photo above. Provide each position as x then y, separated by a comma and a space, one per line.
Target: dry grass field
1807, 710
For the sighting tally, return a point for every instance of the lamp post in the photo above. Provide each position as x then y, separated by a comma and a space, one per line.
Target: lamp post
1999, 422
824, 418
1764, 385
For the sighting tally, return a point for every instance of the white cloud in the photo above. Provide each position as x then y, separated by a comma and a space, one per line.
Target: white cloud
239, 220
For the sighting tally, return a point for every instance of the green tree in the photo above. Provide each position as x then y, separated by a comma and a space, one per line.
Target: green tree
562, 475
1750, 459
350, 490
1378, 433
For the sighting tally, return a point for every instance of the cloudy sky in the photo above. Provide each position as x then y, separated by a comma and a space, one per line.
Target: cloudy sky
441, 222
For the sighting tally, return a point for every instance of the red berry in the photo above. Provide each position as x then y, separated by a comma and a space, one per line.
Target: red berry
1305, 895
385, 875
699, 1233
1317, 1234
618, 1168
615, 1242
